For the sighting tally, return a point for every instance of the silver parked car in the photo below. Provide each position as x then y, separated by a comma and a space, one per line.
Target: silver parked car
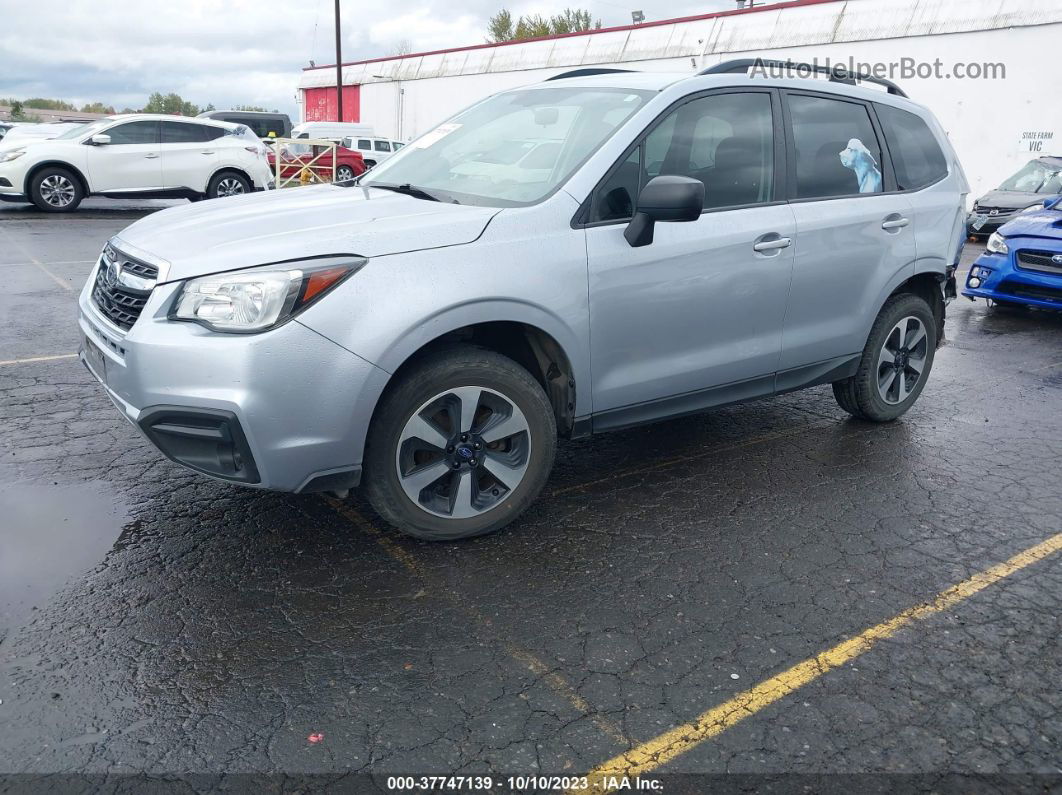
593, 252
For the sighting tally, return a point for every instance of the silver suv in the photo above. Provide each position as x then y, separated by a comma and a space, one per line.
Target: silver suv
590, 253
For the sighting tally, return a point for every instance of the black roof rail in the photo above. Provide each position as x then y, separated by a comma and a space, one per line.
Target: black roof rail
837, 73
586, 73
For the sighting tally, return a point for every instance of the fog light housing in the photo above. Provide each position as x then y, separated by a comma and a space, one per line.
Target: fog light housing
974, 282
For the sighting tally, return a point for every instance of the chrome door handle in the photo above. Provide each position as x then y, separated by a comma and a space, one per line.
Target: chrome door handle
899, 223
151, 156
773, 245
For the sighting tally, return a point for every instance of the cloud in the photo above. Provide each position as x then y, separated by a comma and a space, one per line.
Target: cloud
230, 52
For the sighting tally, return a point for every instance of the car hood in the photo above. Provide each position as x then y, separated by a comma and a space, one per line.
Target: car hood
1010, 199
244, 231
1045, 224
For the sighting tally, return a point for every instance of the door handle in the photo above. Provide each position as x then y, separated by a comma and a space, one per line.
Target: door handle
152, 156
896, 223
773, 245
206, 153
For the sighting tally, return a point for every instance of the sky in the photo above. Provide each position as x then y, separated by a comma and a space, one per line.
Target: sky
238, 52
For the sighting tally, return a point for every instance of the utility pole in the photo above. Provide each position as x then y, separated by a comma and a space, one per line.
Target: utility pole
339, 67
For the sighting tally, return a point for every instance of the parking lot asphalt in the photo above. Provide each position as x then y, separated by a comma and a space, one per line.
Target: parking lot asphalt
154, 620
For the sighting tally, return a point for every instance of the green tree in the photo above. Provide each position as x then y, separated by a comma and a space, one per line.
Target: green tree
48, 104
170, 103
531, 27
500, 27
97, 107
573, 20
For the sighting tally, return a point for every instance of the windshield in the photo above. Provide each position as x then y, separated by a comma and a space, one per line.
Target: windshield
512, 149
1036, 176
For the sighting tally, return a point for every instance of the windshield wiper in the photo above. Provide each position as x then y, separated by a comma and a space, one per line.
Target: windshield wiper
406, 188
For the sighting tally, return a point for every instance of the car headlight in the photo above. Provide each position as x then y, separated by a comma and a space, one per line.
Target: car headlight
997, 244
11, 154
1033, 209
258, 299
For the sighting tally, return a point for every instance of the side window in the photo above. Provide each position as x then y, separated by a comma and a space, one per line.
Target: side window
916, 156
724, 140
382, 146
175, 132
364, 143
135, 132
396, 145
837, 152
212, 133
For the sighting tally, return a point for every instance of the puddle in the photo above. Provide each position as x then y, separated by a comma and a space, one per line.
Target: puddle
50, 535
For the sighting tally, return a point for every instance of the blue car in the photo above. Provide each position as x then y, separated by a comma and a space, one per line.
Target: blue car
1022, 263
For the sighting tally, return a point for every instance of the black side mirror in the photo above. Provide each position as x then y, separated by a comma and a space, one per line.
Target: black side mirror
666, 198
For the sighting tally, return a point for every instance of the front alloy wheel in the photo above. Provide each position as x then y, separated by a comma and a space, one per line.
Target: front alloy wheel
460, 444
463, 452
230, 186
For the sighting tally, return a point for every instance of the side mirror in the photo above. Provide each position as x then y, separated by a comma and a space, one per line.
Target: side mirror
101, 139
666, 198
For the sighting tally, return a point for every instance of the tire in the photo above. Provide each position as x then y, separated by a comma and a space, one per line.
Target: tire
369, 164
862, 395
227, 183
56, 190
432, 394
343, 173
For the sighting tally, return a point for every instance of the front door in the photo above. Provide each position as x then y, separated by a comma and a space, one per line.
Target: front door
130, 161
695, 317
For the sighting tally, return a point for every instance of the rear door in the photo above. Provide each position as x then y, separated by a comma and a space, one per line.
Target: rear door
189, 154
694, 318
853, 229
130, 162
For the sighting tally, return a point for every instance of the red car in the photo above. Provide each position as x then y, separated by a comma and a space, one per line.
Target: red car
295, 157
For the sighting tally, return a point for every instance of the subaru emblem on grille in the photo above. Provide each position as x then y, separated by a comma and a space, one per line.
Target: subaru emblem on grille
1057, 259
110, 278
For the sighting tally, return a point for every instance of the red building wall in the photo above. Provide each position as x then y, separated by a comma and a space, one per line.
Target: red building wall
320, 104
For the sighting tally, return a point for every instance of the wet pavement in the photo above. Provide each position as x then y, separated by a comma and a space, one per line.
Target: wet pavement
154, 620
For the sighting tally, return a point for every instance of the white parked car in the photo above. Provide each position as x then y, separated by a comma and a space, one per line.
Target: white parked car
373, 150
23, 132
137, 155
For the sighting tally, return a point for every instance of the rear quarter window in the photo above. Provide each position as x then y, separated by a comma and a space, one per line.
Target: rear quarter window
916, 155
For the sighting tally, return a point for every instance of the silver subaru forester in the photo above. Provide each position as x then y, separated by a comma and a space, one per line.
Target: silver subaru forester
600, 250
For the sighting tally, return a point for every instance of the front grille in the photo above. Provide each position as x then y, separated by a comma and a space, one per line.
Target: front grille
118, 300
1000, 212
1052, 294
1039, 261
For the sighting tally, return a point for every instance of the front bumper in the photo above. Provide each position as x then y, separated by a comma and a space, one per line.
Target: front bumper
285, 410
1009, 282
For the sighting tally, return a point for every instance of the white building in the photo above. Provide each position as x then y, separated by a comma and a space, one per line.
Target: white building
994, 120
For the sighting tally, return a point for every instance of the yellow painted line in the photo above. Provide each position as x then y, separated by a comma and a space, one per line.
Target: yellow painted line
40, 359
555, 681
651, 755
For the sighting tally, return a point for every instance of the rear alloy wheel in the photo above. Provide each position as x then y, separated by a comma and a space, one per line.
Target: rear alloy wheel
227, 183
56, 190
895, 363
461, 446
343, 173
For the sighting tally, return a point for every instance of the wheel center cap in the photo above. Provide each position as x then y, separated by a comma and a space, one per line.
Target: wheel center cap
465, 453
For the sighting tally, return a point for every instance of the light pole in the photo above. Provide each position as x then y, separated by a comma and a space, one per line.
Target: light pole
339, 67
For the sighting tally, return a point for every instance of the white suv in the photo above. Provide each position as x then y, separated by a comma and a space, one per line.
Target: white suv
135, 156
373, 150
